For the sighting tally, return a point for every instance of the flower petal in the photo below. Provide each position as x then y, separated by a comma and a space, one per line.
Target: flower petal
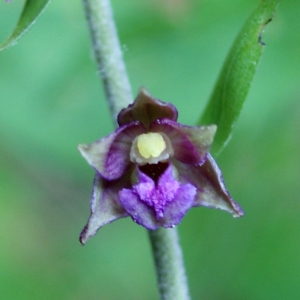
110, 156
139, 211
147, 109
162, 204
190, 144
209, 182
105, 206
177, 209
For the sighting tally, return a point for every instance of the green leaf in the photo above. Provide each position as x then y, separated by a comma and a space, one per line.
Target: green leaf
32, 9
237, 73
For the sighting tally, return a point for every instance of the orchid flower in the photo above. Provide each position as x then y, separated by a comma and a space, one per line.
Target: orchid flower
153, 169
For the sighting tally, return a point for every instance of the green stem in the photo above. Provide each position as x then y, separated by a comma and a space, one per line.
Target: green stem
108, 54
170, 270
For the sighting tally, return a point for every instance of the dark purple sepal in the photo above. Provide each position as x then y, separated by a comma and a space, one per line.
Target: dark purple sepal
211, 189
109, 156
105, 206
147, 109
162, 204
190, 143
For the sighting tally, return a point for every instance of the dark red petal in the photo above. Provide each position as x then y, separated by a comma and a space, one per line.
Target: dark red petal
110, 156
146, 110
211, 189
190, 144
105, 206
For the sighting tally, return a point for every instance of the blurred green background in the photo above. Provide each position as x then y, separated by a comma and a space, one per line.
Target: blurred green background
52, 100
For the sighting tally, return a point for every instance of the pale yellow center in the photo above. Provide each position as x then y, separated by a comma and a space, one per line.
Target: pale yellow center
151, 144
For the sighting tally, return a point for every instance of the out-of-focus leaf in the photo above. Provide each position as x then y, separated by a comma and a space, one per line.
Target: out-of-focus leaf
32, 9
237, 74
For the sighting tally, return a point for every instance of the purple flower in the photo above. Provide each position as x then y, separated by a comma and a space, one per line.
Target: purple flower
153, 169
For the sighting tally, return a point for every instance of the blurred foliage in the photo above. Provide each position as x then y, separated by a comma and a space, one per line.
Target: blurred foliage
31, 10
52, 99
236, 76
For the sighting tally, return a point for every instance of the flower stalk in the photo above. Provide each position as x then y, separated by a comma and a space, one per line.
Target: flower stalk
172, 282
108, 54
166, 249
151, 168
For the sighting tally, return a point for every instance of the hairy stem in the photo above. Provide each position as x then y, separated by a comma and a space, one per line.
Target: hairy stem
108, 54
168, 259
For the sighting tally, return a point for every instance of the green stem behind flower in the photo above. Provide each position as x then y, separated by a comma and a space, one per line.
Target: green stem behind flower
170, 270
108, 54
